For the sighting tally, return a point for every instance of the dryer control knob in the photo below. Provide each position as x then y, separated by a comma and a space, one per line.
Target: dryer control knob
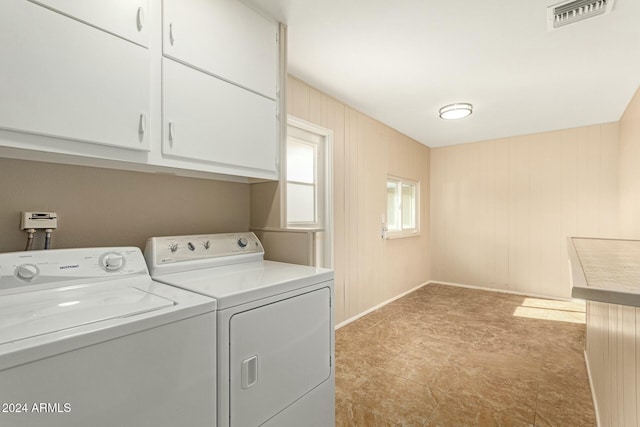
27, 271
113, 262
243, 242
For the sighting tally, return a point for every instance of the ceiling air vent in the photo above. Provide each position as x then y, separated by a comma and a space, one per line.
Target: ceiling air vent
568, 12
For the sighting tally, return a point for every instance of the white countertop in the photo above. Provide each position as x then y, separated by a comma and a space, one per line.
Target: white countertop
605, 270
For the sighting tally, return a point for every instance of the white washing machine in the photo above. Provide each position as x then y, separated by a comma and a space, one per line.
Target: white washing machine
88, 339
275, 327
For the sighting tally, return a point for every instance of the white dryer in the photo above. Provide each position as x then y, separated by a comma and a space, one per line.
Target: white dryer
88, 339
275, 328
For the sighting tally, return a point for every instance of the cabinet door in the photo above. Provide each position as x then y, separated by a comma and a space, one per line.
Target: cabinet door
65, 79
125, 18
278, 353
209, 120
224, 38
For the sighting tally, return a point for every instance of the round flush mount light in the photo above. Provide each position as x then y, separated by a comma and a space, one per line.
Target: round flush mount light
456, 111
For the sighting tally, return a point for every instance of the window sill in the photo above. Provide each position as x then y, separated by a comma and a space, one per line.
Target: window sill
401, 235
289, 229
304, 229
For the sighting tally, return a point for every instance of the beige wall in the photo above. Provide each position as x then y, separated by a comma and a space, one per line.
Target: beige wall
296, 247
630, 169
368, 269
104, 207
613, 331
501, 210
408, 261
265, 205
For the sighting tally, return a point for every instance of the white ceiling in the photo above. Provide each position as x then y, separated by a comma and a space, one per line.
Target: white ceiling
400, 61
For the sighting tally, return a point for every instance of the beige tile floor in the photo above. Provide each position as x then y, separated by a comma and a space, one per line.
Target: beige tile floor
449, 356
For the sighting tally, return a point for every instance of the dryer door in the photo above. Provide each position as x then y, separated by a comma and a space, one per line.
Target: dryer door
279, 352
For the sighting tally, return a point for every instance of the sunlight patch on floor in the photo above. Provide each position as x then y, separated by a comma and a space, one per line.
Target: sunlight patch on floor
544, 309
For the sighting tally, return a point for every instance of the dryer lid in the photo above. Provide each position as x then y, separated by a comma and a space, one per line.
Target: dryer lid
34, 314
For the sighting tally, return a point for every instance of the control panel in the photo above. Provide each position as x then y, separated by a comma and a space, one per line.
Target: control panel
184, 248
215, 249
18, 269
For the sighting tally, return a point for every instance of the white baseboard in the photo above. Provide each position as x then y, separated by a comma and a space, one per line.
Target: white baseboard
593, 391
375, 307
459, 285
502, 291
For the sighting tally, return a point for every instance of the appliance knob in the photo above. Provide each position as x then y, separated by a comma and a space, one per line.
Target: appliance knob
191, 246
27, 271
113, 262
243, 242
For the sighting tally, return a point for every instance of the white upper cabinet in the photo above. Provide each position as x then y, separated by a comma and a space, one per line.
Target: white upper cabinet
124, 18
189, 85
224, 38
66, 79
210, 121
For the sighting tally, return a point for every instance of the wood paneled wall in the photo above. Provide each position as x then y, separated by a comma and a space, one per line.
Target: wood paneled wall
501, 210
613, 331
368, 269
630, 169
613, 358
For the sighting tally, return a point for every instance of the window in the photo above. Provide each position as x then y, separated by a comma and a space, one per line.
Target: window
305, 178
402, 207
307, 187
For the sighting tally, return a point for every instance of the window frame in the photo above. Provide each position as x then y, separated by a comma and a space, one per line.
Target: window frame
402, 232
322, 178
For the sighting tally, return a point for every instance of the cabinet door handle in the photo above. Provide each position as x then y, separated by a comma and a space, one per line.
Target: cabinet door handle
140, 18
142, 124
172, 131
171, 37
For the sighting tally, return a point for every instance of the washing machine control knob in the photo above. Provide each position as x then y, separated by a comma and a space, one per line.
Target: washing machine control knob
243, 242
113, 262
27, 271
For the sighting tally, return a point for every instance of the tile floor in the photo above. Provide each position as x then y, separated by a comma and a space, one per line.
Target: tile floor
449, 356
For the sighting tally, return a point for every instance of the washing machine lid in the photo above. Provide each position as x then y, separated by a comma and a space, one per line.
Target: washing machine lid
58, 300
236, 284
33, 314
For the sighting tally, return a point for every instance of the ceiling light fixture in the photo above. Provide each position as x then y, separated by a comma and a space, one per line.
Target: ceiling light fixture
456, 111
